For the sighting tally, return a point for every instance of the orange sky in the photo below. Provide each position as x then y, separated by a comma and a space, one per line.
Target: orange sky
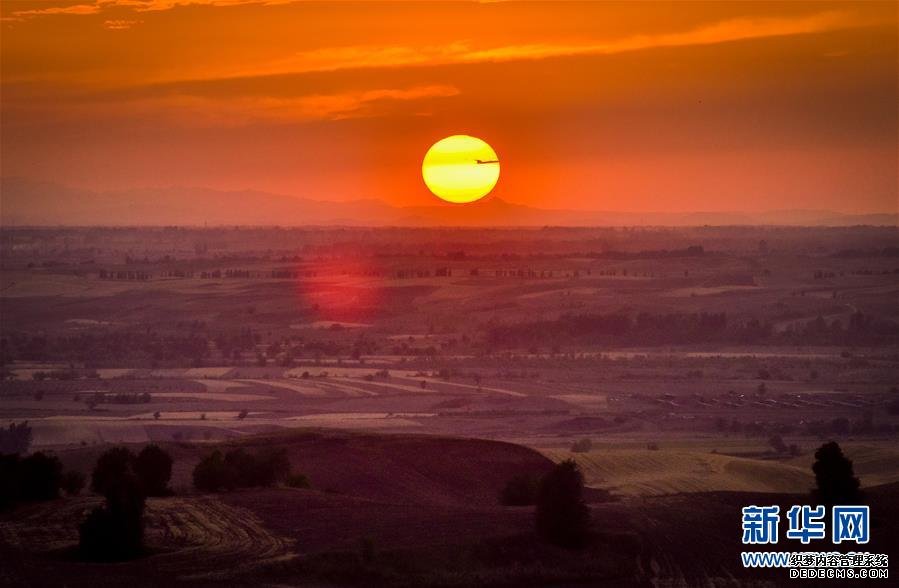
604, 106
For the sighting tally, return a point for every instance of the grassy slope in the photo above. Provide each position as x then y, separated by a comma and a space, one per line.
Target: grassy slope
640, 472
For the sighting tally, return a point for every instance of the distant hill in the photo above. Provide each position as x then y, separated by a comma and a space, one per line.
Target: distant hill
28, 202
24, 202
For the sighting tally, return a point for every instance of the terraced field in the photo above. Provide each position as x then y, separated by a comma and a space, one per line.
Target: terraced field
873, 464
641, 472
636, 472
195, 538
207, 531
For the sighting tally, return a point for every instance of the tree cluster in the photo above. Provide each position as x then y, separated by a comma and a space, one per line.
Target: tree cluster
115, 530
15, 439
687, 328
33, 478
239, 468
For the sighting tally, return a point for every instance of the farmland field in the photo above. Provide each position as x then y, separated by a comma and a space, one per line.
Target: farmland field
684, 371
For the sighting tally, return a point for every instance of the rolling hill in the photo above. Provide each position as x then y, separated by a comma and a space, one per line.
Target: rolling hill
33, 203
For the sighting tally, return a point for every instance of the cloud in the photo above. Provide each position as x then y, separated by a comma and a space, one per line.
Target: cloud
54, 10
137, 5
120, 24
192, 110
367, 56
204, 111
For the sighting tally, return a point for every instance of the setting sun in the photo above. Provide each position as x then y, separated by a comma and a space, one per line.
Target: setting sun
460, 169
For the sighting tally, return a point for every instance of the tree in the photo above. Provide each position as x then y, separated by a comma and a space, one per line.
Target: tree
115, 531
520, 490
72, 482
273, 467
297, 481
16, 438
777, 444
40, 476
240, 469
562, 517
9, 479
211, 474
834, 476
153, 467
111, 467
36, 477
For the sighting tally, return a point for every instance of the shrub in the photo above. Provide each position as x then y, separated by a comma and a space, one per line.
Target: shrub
153, 467
9, 479
211, 474
241, 469
562, 518
39, 477
72, 482
777, 444
16, 438
274, 467
834, 476
298, 481
521, 490
582, 446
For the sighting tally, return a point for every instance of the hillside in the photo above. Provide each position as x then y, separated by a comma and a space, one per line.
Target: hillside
398, 469
639, 472
27, 202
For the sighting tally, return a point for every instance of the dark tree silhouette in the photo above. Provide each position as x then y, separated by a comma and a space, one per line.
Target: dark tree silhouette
39, 477
115, 531
16, 438
36, 477
562, 516
72, 482
212, 474
241, 469
274, 467
834, 475
111, 467
9, 479
153, 467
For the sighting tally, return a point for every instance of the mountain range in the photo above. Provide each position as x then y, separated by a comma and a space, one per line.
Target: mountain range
33, 203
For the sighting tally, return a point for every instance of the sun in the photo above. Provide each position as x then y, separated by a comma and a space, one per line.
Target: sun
460, 169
